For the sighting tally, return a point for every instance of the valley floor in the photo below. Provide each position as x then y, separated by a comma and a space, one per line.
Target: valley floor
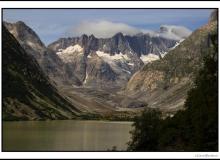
110, 103
99, 103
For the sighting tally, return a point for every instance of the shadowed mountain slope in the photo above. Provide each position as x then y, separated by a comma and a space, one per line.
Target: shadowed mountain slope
27, 93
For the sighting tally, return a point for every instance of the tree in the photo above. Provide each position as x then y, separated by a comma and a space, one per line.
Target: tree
146, 133
195, 128
202, 103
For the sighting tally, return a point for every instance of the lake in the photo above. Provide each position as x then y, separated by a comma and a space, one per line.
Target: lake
65, 135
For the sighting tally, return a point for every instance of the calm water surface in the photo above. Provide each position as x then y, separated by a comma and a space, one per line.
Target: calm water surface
68, 135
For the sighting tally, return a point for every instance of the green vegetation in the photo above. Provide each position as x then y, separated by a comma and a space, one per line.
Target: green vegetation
193, 129
146, 133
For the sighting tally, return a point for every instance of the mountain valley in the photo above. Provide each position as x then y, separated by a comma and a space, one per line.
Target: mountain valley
120, 75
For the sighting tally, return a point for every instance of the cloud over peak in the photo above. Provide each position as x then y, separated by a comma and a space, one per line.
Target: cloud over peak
107, 29
174, 32
103, 29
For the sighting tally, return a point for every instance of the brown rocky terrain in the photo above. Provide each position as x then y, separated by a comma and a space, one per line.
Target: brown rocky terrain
164, 83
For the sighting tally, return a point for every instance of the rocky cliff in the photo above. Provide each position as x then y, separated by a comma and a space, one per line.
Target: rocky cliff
27, 93
164, 83
112, 61
48, 61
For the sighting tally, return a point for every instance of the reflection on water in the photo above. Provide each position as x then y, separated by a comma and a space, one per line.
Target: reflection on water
68, 135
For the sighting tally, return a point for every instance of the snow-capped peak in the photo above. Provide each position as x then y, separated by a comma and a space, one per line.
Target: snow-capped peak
71, 49
69, 54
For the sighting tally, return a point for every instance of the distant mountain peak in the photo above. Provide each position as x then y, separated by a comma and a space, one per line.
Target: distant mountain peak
119, 34
23, 32
92, 36
84, 36
74, 58
27, 92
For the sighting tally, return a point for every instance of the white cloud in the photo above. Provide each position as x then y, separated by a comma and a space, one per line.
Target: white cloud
150, 32
170, 32
103, 29
106, 29
174, 32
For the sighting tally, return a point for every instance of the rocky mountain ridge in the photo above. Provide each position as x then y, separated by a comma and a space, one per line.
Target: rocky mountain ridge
27, 93
164, 83
96, 62
90, 71
110, 60
49, 62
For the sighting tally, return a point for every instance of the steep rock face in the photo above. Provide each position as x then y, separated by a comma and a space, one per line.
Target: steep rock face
110, 60
27, 38
51, 64
90, 61
164, 83
138, 44
27, 93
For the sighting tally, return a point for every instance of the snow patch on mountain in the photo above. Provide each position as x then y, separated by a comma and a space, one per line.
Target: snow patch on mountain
71, 49
85, 80
118, 62
108, 57
126, 71
131, 64
69, 54
177, 44
149, 58
163, 54
89, 56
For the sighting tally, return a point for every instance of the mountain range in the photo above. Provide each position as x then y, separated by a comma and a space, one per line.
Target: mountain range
89, 61
164, 83
102, 75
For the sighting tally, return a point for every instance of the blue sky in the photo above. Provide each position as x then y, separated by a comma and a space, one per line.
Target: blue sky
51, 24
